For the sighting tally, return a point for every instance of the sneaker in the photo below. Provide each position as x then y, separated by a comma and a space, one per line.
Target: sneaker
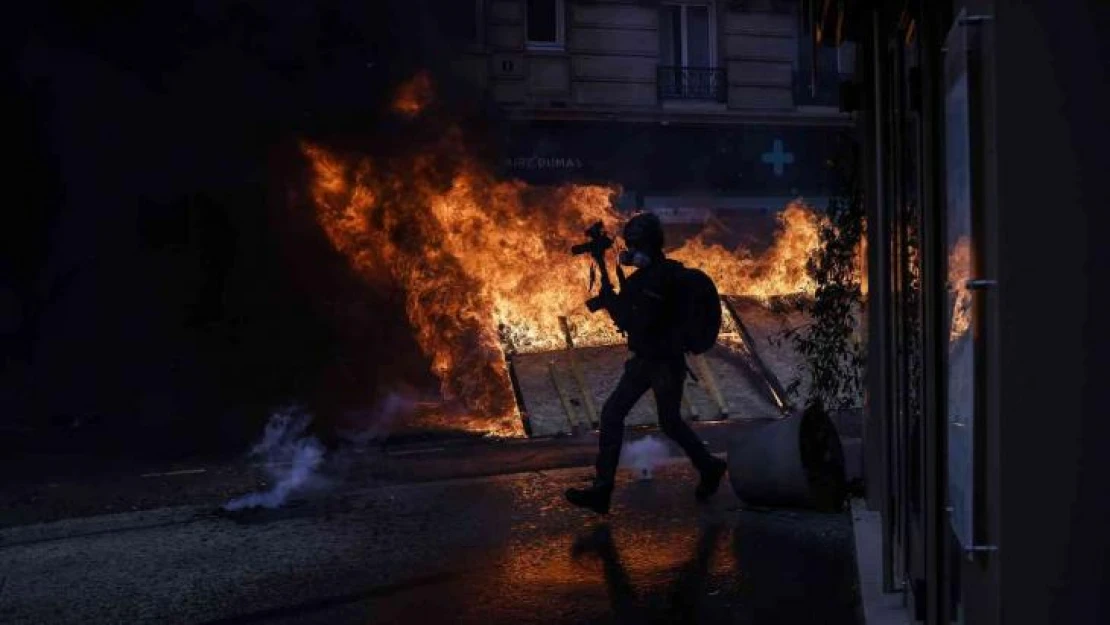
710, 480
594, 498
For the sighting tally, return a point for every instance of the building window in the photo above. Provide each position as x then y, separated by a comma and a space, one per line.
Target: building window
686, 35
545, 24
688, 52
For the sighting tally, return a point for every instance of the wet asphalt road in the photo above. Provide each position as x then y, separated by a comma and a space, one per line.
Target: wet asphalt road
43, 488
495, 549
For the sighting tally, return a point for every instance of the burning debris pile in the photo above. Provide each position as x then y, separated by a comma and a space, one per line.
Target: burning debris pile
780, 270
484, 262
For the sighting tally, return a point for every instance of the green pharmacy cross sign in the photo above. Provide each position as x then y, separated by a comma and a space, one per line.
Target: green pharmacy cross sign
777, 157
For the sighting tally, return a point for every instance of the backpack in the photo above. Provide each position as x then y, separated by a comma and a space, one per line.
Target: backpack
698, 308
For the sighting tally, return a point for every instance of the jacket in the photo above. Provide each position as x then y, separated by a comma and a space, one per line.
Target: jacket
646, 311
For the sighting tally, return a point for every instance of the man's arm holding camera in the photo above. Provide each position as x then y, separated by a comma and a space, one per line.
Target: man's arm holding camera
642, 298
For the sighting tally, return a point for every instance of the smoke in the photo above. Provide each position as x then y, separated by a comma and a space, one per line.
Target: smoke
643, 455
367, 427
297, 463
292, 461
375, 424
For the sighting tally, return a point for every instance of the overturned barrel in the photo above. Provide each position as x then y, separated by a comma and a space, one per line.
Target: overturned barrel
796, 462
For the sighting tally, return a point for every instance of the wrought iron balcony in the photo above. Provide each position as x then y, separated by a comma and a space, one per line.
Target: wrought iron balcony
692, 83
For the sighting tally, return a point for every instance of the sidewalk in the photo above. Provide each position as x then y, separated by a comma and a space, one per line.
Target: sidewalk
879, 608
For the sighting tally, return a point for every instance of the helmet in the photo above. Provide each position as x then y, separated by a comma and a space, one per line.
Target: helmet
644, 232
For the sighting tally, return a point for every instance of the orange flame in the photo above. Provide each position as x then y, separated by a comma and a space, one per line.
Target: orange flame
861, 262
781, 270
959, 272
482, 261
414, 96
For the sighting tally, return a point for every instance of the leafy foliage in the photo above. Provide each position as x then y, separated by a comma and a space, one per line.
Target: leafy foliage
832, 345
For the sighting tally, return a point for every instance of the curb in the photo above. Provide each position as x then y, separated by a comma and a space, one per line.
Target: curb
878, 608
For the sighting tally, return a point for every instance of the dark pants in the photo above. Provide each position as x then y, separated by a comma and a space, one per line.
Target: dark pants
666, 378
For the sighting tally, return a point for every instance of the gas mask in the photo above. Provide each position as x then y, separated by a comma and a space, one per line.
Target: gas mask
634, 258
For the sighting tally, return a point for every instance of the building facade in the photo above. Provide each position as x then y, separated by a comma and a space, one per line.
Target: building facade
694, 107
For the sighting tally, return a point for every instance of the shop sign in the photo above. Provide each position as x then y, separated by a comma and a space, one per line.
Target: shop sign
536, 163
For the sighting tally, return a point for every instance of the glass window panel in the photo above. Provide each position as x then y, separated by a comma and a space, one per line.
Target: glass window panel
697, 36
543, 20
670, 36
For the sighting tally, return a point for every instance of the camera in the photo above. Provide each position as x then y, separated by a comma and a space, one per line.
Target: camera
597, 244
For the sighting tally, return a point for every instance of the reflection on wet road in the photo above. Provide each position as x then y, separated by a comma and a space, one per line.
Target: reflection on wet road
490, 550
681, 591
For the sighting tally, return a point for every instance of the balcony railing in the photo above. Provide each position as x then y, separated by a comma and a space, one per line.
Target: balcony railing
692, 83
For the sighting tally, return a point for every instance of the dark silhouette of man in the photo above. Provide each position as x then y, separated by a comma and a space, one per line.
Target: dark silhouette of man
646, 310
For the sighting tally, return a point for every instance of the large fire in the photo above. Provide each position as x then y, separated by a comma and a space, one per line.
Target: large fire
485, 263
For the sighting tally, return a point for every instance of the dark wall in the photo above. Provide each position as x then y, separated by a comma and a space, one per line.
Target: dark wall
661, 160
158, 277
1051, 63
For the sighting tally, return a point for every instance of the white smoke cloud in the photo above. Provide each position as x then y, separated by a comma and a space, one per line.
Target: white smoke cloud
291, 461
643, 455
297, 464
